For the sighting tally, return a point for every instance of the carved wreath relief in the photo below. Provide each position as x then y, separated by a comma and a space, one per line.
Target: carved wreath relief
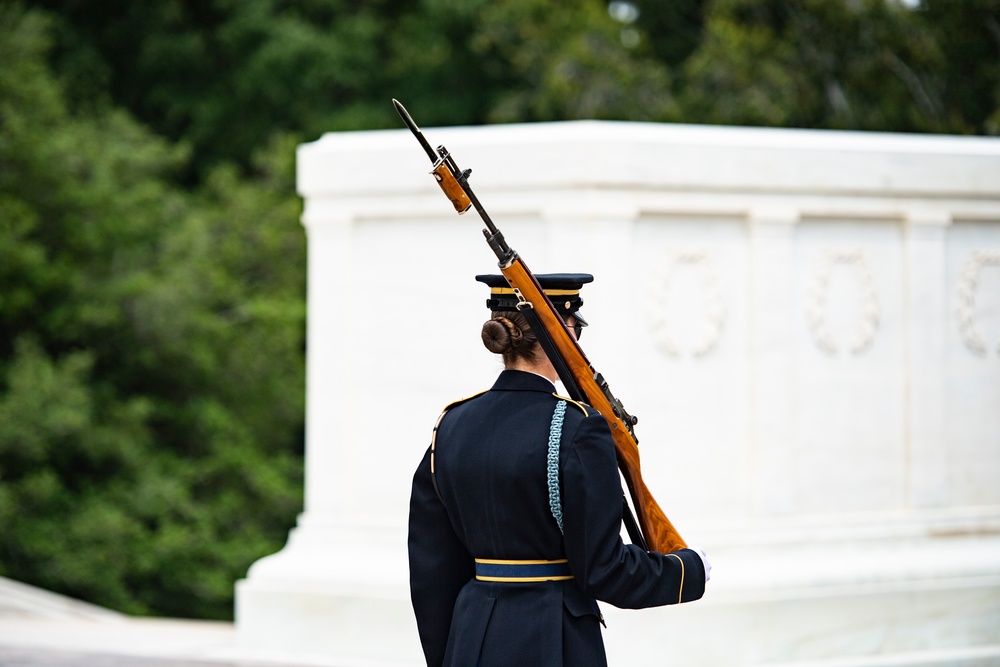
968, 284
664, 328
817, 309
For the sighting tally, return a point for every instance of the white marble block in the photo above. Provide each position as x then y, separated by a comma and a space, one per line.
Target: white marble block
806, 323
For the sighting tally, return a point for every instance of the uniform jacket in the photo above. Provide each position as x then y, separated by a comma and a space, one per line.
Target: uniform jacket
490, 467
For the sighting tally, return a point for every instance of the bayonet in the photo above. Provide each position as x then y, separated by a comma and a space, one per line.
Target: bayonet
453, 181
408, 119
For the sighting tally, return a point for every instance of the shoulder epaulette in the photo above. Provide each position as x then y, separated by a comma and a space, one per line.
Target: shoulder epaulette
454, 404
583, 406
434, 439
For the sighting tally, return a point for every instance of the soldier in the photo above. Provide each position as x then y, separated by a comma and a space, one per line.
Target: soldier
516, 511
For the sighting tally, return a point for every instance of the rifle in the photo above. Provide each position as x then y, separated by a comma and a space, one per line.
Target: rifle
654, 531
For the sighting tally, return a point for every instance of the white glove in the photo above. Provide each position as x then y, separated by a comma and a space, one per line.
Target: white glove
704, 560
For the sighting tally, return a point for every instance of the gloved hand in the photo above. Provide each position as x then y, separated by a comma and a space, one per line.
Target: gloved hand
704, 560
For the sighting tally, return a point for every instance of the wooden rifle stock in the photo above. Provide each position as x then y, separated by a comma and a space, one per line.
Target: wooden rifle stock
659, 534
575, 370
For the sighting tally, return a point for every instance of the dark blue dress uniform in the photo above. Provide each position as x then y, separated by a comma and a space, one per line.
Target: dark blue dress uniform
493, 503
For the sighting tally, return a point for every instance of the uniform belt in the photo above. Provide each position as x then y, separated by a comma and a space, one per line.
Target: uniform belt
522, 570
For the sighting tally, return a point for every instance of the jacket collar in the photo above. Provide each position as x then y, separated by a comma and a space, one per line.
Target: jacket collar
522, 381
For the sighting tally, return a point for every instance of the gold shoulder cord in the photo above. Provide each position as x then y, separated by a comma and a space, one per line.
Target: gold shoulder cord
581, 406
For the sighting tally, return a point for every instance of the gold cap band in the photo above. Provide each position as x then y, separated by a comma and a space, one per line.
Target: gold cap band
549, 292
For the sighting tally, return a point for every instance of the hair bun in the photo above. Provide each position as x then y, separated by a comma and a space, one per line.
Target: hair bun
508, 334
497, 335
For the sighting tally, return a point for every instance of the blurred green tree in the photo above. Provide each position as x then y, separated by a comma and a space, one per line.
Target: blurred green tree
968, 35
151, 352
674, 29
865, 65
566, 60
222, 76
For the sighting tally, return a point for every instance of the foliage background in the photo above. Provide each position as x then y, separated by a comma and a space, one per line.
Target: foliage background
152, 268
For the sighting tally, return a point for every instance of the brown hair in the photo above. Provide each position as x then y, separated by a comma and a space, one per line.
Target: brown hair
507, 333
